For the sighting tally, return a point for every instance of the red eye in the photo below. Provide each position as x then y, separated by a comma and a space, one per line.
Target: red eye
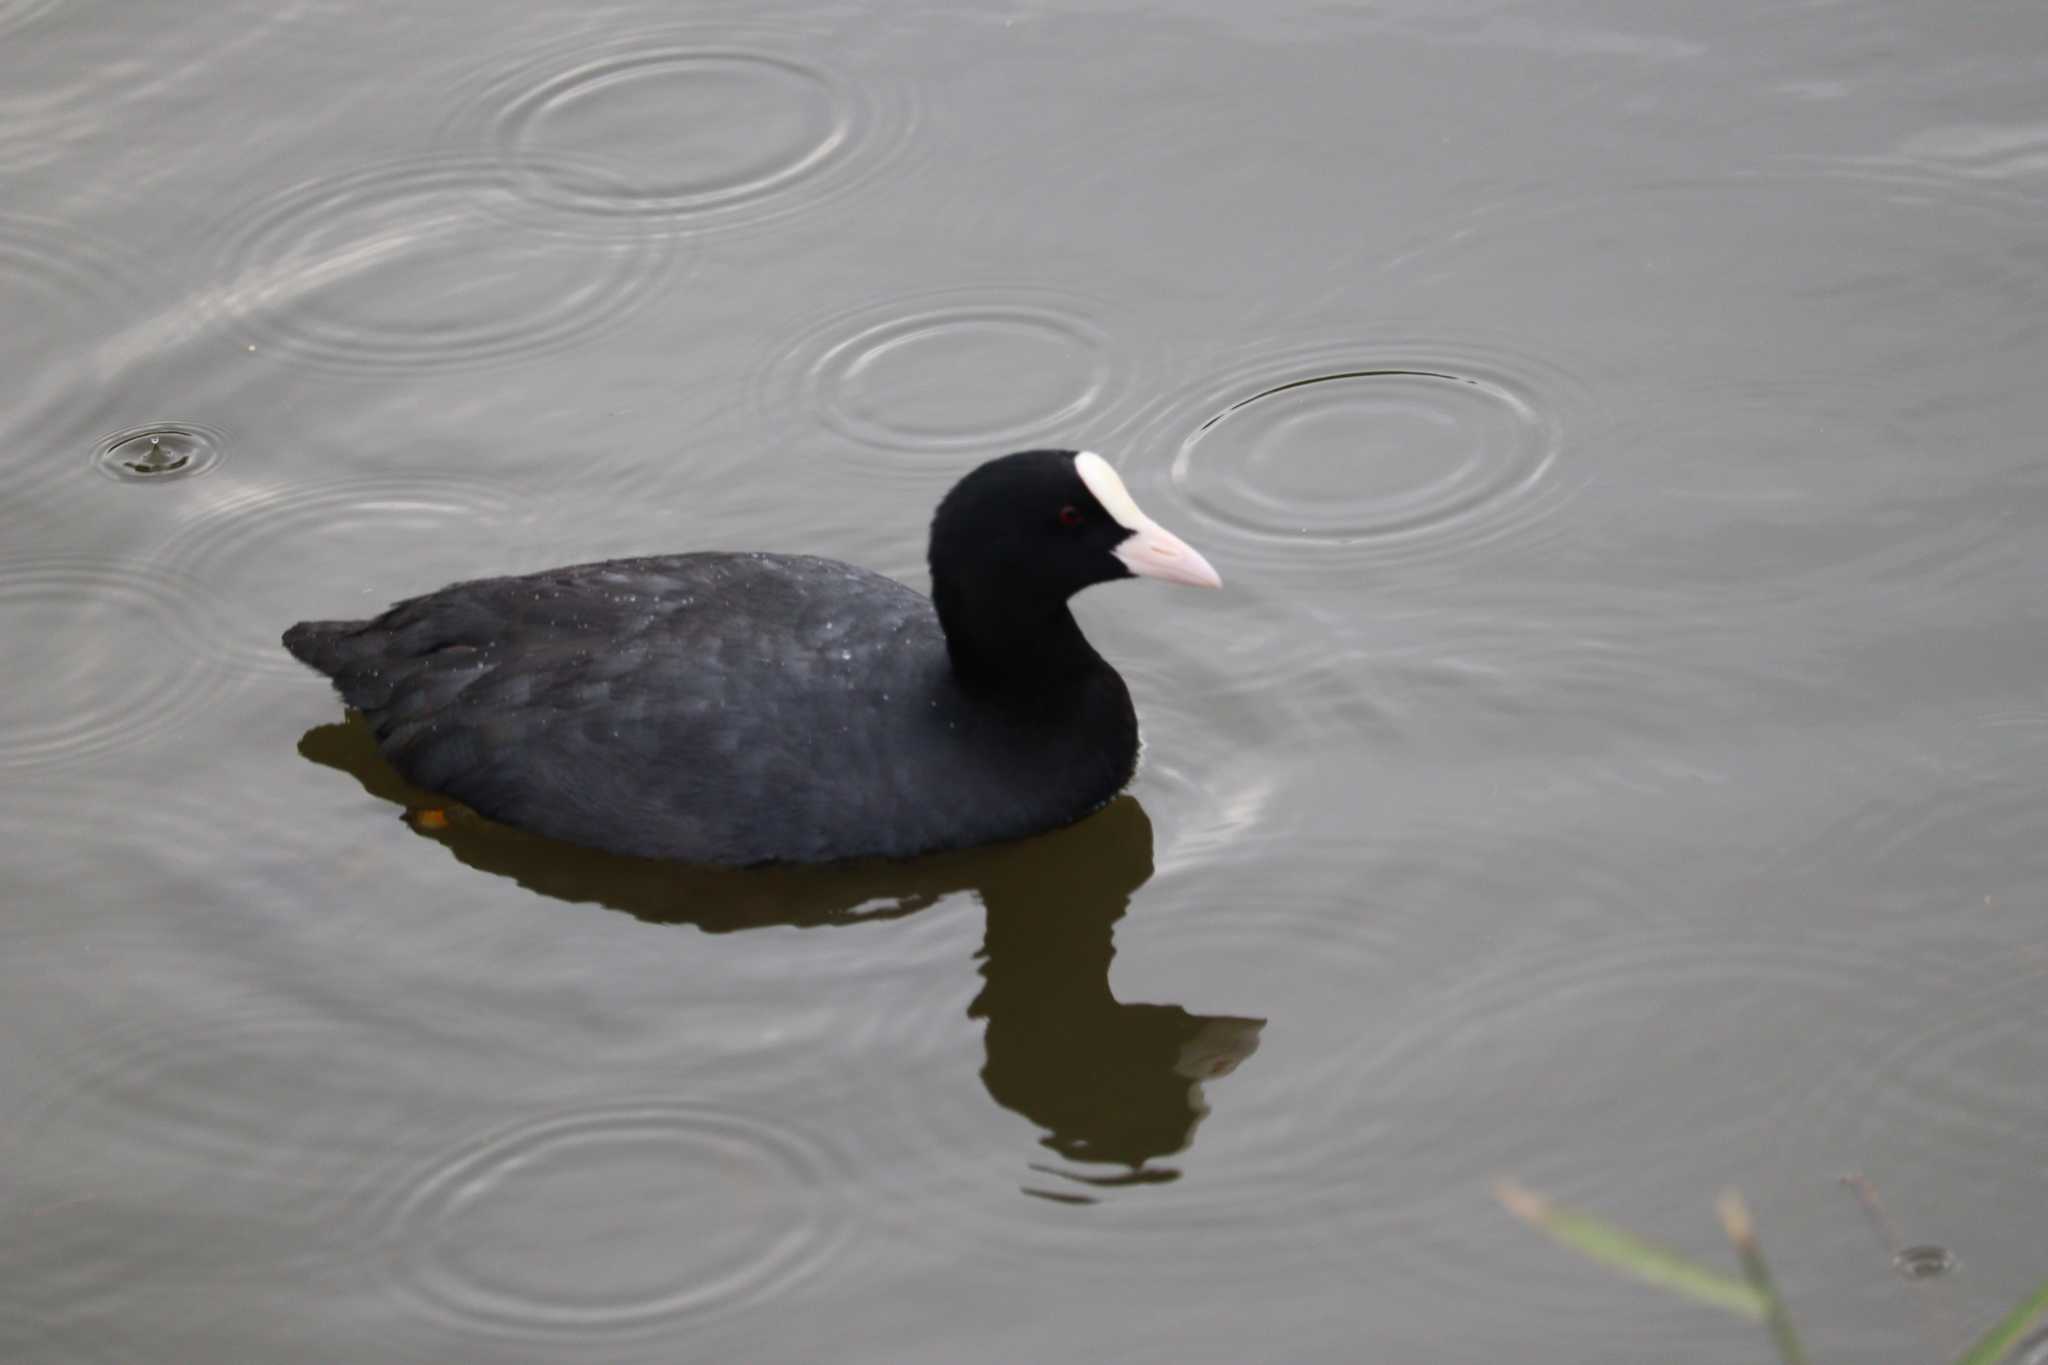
1070, 516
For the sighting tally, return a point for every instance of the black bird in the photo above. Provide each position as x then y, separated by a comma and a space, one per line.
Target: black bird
745, 708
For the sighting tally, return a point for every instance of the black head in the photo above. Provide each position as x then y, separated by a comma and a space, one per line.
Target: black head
1047, 523
1021, 534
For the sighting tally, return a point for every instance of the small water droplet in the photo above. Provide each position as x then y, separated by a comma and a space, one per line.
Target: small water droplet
1924, 1262
156, 453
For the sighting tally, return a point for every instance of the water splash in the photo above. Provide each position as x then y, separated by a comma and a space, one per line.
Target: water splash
159, 452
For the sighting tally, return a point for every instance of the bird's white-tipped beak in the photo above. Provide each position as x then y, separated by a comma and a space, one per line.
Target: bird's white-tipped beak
1155, 552
1150, 551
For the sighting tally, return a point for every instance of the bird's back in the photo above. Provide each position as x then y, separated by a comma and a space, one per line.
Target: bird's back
727, 708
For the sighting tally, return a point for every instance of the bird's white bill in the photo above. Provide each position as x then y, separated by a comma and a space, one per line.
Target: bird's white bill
1152, 551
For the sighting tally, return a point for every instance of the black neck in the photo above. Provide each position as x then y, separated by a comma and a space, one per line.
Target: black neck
1013, 643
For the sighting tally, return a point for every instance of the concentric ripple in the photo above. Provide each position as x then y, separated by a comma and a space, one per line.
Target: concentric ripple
613, 1221
428, 264
438, 529
691, 127
159, 453
1371, 453
119, 657
1374, 450
973, 370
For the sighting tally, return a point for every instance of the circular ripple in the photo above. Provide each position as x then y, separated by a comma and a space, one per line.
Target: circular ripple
155, 454
692, 127
427, 264
1377, 450
116, 656
937, 375
736, 124
617, 1220
1373, 453
423, 529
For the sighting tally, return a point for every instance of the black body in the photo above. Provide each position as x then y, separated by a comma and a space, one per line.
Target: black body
743, 708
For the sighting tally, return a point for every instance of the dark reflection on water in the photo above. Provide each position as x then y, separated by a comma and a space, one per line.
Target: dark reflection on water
1111, 1083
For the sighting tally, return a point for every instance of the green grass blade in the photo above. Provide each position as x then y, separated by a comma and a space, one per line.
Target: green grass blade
1741, 1230
1624, 1251
1991, 1348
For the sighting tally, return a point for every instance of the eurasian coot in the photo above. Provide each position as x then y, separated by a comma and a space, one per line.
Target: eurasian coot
756, 708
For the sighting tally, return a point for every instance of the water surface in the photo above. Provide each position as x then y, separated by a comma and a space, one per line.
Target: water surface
1616, 761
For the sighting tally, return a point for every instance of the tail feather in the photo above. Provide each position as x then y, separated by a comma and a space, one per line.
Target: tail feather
323, 645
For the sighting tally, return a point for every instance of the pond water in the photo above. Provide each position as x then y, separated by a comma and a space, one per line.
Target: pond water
1616, 761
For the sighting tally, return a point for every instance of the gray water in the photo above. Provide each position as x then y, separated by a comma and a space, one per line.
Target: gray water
1615, 762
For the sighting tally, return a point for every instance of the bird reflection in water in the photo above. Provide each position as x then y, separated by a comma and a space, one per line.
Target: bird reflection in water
1114, 1086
